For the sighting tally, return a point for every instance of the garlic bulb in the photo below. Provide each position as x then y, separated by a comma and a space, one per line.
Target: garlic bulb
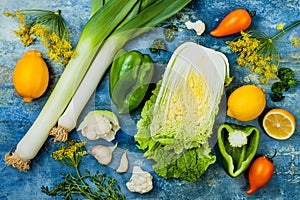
123, 163
99, 124
103, 154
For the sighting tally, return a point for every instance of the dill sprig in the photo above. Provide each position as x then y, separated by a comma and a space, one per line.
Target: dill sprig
49, 27
259, 52
54, 22
100, 187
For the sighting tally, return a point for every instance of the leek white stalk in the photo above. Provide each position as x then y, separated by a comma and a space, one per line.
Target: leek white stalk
148, 18
97, 29
67, 121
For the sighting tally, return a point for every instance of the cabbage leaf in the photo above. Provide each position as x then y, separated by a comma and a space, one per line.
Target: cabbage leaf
189, 165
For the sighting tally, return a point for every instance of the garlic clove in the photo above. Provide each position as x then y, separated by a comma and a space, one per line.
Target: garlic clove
123, 163
197, 26
103, 154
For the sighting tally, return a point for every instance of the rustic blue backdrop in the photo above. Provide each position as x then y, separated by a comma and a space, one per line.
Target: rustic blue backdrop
16, 116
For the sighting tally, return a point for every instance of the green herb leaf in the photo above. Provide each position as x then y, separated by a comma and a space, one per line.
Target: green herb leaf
277, 97
100, 187
158, 45
279, 87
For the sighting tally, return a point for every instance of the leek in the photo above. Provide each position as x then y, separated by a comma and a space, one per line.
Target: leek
96, 5
146, 19
97, 29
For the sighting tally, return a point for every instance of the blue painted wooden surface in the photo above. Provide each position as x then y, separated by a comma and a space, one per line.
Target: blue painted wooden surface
16, 116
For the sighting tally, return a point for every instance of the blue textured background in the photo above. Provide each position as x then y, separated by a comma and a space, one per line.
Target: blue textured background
16, 116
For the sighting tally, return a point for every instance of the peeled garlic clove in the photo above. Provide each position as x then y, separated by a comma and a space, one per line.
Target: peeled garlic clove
123, 163
103, 154
197, 26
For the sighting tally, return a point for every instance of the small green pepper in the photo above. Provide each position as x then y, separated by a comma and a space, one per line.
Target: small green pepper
130, 75
237, 146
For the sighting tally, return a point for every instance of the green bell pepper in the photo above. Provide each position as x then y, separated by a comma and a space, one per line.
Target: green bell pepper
237, 147
130, 75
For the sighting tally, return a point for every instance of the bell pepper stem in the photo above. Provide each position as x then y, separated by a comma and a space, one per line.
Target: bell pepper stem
271, 158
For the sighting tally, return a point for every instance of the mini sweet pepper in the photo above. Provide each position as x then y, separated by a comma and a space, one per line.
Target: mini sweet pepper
237, 147
130, 76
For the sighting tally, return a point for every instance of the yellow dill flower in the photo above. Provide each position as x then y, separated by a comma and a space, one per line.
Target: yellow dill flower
39, 31
267, 68
269, 74
274, 69
60, 49
262, 62
295, 41
245, 34
22, 31
256, 51
20, 16
52, 55
45, 42
66, 44
263, 80
241, 62
46, 26
82, 153
54, 38
268, 58
251, 58
252, 68
80, 144
254, 44
27, 40
258, 70
259, 52
71, 153
280, 26
68, 54
59, 154
9, 14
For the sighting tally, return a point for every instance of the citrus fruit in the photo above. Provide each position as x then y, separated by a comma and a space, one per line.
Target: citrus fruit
246, 103
31, 76
279, 124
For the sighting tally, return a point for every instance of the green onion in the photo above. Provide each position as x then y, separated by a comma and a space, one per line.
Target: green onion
97, 29
146, 19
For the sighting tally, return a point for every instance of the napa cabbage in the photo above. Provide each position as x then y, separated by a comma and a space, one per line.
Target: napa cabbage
177, 121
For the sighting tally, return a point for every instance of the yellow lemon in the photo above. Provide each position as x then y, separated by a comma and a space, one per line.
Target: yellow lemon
279, 124
31, 76
246, 103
